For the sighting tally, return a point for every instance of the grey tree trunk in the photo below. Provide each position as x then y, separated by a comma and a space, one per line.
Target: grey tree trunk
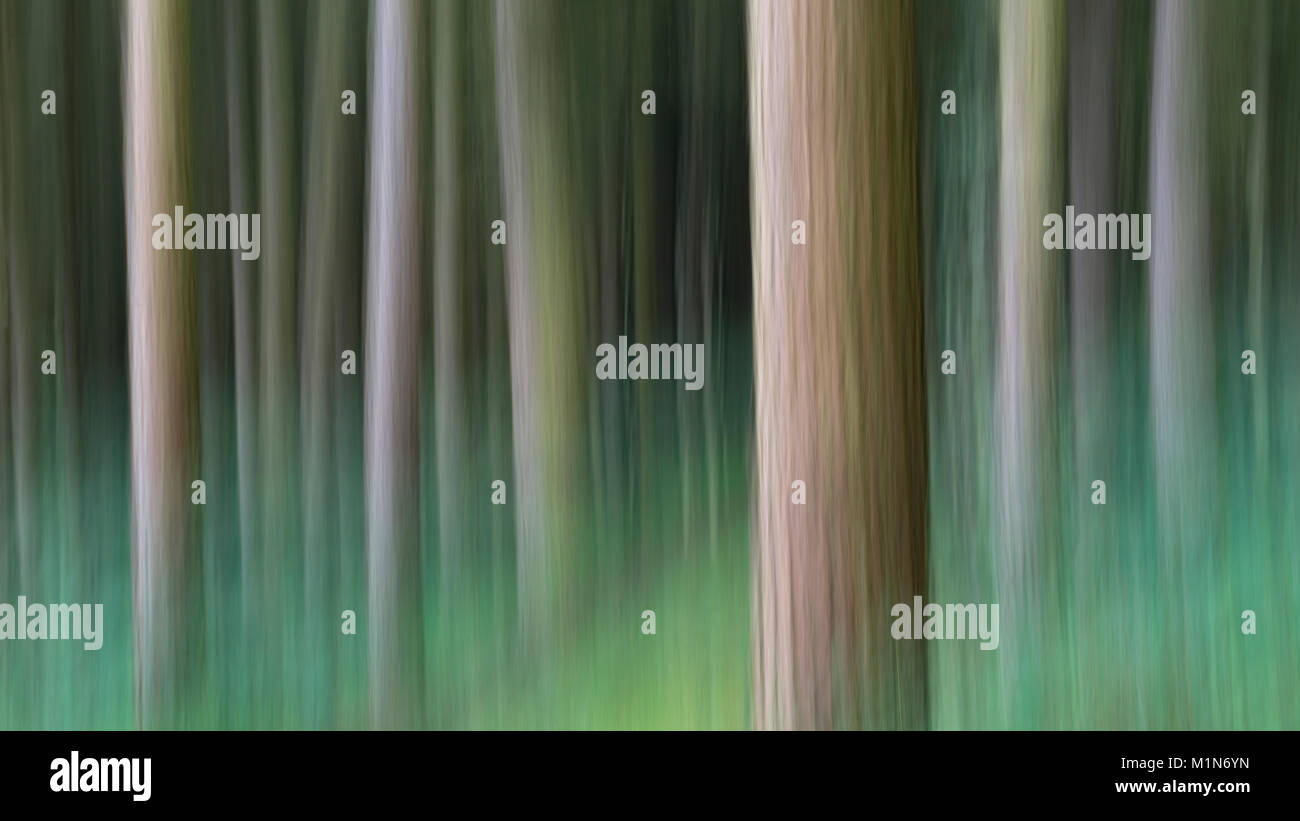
392, 376
1031, 317
1183, 376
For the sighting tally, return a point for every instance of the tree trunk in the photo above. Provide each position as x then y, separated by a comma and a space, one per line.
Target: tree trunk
1182, 320
551, 364
392, 373
839, 384
163, 379
1031, 342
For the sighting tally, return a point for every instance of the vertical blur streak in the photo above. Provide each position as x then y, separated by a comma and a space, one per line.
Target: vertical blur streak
1257, 215
1092, 191
1283, 228
649, 288
449, 204
392, 448
612, 472
1184, 416
330, 253
98, 194
69, 261
240, 162
277, 273
10, 165
1031, 343
27, 296
493, 422
10, 233
711, 109
957, 50
549, 359
217, 520
838, 364
51, 282
371, 490
162, 355
1093, 58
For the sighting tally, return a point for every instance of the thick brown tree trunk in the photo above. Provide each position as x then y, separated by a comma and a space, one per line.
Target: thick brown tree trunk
839, 382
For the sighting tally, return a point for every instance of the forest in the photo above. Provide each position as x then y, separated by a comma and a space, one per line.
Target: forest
390, 388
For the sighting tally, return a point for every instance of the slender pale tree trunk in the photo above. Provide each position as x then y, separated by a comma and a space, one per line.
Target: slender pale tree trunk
164, 402
550, 359
1182, 318
1182, 378
392, 371
839, 385
1031, 342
